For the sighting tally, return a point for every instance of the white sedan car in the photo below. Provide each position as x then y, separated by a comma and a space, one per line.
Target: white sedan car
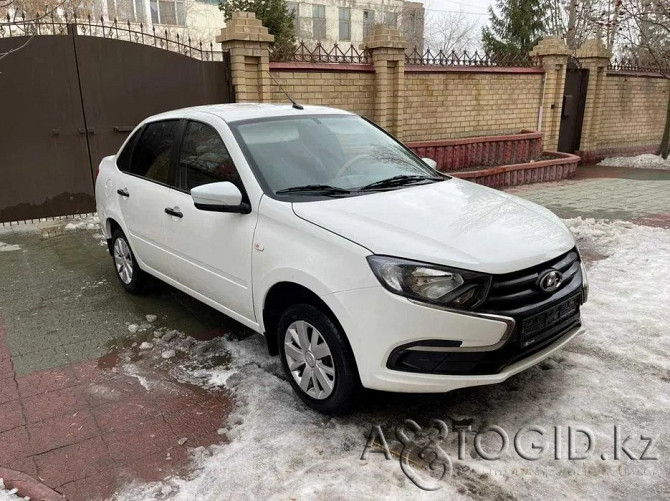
361, 264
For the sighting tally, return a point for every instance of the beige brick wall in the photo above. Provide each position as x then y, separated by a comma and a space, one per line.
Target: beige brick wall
448, 105
349, 90
633, 112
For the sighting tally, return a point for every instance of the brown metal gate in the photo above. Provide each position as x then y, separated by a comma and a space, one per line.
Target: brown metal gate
72, 95
572, 110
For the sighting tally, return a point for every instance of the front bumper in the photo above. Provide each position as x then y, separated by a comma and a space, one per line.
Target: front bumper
442, 349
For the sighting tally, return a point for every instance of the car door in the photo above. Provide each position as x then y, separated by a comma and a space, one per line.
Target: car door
142, 192
210, 251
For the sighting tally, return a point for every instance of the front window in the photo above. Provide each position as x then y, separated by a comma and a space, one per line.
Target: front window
204, 158
328, 155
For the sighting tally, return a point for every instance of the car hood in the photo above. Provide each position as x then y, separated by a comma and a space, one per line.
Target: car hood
453, 222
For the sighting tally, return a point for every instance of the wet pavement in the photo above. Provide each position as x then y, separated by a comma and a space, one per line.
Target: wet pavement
638, 195
75, 413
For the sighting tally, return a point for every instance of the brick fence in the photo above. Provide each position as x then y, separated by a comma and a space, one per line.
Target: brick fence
624, 110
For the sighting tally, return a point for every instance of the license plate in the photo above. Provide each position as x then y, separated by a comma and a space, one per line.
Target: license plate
549, 318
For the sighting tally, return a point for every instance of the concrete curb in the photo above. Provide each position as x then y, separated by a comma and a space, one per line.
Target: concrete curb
28, 486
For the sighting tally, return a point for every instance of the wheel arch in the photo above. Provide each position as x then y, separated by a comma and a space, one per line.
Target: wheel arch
282, 296
111, 225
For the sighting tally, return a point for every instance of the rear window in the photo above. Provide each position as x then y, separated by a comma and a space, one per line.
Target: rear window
123, 159
151, 155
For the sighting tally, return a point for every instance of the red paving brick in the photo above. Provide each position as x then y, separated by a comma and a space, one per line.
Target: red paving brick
54, 404
11, 415
86, 430
73, 462
8, 391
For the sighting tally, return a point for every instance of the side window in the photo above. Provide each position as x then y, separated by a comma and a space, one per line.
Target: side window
123, 160
151, 155
205, 159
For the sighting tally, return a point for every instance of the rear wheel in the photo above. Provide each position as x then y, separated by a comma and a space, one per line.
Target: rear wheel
317, 359
132, 278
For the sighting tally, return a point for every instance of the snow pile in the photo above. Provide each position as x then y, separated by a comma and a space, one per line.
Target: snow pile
616, 374
8, 247
646, 161
88, 223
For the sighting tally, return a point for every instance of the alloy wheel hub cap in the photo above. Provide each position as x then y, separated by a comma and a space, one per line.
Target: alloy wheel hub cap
309, 359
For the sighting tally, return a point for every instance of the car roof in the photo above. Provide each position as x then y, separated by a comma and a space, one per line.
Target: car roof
234, 112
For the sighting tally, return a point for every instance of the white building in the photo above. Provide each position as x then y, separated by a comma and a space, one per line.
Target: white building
349, 22
327, 21
200, 19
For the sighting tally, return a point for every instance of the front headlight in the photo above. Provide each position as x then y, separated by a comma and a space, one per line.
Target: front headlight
430, 283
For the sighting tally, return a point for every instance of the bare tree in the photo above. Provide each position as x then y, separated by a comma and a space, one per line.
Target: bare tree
645, 30
579, 20
452, 31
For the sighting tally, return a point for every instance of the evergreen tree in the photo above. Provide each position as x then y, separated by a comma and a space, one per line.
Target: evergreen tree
275, 17
517, 28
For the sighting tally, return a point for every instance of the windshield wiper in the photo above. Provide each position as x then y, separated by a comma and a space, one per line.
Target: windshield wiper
398, 181
320, 189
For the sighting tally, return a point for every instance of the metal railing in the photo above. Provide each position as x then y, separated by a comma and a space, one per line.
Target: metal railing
131, 32
636, 65
318, 53
475, 59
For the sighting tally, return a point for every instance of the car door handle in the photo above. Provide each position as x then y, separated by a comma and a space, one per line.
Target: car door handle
123, 192
173, 212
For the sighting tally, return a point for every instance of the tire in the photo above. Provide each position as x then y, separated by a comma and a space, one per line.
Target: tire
332, 364
131, 277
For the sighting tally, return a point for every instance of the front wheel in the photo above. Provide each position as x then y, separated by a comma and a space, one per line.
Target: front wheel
132, 278
317, 359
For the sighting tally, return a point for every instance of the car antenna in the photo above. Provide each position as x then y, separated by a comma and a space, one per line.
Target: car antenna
295, 105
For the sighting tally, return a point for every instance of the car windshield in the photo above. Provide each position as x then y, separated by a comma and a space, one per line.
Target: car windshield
330, 155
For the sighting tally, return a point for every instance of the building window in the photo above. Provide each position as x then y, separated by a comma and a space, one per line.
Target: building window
168, 12
292, 8
391, 19
345, 23
126, 10
368, 22
318, 21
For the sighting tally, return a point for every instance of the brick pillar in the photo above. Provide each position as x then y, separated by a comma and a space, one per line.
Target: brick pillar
593, 56
248, 42
553, 55
387, 49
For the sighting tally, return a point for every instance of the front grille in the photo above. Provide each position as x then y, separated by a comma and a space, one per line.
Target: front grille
541, 319
520, 289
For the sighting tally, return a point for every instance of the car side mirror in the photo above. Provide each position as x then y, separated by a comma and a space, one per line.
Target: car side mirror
219, 197
430, 163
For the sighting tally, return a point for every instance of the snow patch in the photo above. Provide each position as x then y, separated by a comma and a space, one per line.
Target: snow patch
131, 370
617, 373
645, 161
90, 223
8, 247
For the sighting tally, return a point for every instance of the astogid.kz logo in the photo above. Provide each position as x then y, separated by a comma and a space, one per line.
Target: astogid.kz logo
423, 449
